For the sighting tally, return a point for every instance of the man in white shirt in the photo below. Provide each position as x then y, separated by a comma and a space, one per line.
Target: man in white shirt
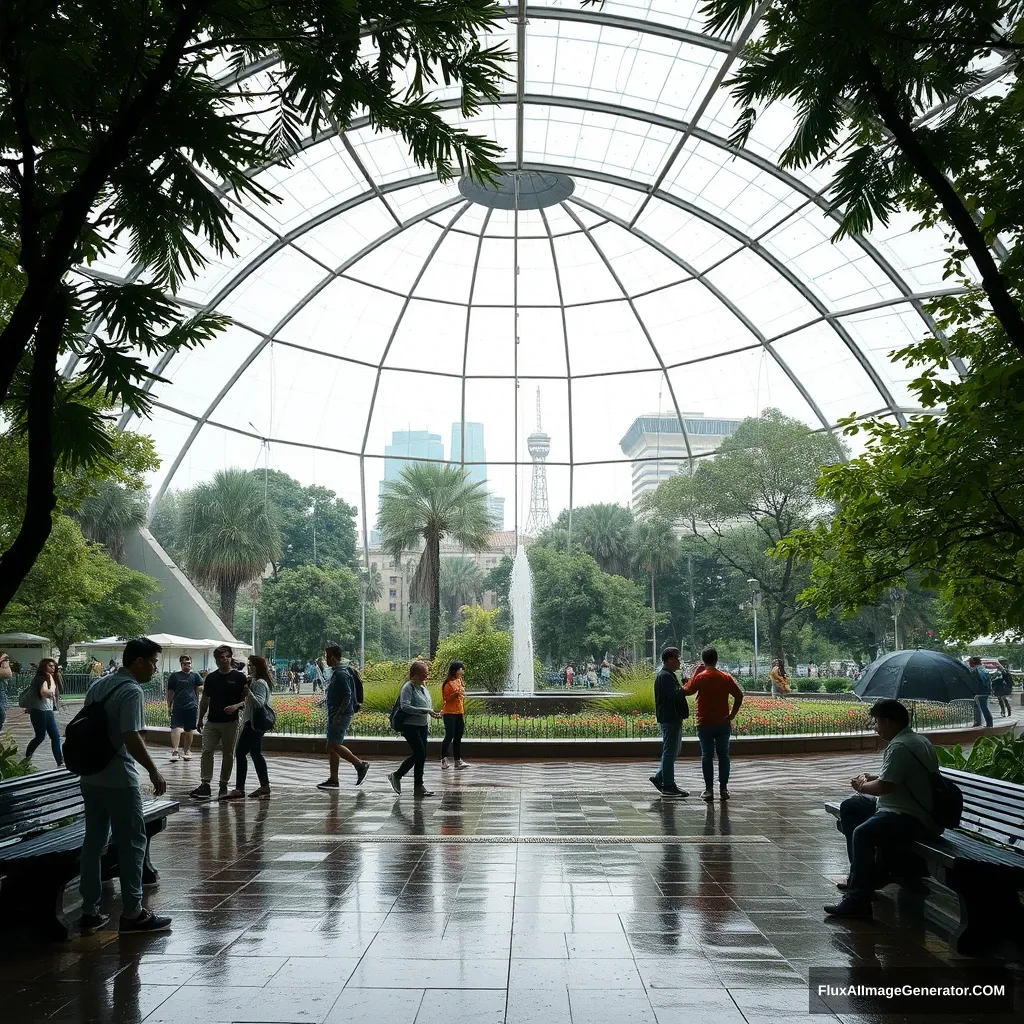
892, 809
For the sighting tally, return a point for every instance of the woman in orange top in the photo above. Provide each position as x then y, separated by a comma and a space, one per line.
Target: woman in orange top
453, 689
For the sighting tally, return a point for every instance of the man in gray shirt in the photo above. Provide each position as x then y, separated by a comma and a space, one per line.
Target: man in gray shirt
113, 795
892, 809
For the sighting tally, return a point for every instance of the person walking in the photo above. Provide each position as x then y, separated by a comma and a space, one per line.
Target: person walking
780, 684
670, 708
453, 690
6, 674
606, 674
985, 691
569, 673
714, 720
417, 709
1002, 688
250, 741
184, 688
223, 688
341, 704
113, 796
43, 699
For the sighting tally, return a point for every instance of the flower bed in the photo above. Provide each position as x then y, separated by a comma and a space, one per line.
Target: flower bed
759, 716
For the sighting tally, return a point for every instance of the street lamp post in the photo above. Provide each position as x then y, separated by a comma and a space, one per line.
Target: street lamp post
364, 579
755, 603
896, 596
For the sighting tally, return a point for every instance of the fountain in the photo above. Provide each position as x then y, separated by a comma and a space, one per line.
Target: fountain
520, 598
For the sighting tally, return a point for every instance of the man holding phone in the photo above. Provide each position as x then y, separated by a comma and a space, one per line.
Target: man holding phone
224, 688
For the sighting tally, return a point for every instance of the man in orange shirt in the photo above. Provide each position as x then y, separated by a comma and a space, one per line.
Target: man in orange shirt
714, 720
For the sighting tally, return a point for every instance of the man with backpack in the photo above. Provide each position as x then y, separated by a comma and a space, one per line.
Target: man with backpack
344, 691
112, 794
890, 811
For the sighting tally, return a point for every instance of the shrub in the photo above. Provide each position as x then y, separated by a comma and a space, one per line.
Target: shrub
386, 672
485, 655
805, 685
12, 766
840, 685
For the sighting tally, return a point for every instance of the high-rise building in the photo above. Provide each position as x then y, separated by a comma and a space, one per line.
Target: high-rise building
656, 445
475, 458
538, 444
407, 446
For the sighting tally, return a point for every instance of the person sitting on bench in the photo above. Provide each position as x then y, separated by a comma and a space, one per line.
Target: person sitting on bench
890, 811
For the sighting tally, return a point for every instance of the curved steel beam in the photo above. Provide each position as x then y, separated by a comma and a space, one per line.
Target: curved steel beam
267, 339
723, 299
643, 327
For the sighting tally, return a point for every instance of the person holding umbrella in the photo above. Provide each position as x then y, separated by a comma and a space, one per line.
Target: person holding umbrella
984, 692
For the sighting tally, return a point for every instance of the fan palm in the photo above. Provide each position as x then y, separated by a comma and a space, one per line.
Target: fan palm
228, 534
374, 585
461, 582
110, 514
655, 548
605, 532
427, 502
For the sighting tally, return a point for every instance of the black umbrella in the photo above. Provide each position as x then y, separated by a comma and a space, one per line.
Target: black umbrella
917, 675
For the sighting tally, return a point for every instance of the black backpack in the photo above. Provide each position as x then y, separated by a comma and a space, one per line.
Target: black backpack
947, 799
357, 688
87, 746
397, 716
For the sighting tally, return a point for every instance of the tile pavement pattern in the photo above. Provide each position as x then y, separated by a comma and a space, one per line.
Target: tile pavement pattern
543, 892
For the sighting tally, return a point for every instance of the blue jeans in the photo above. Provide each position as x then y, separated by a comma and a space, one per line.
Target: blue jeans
45, 724
981, 708
872, 836
671, 740
117, 808
714, 739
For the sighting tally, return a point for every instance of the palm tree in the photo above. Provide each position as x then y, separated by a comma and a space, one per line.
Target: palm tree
374, 585
427, 502
461, 582
605, 531
655, 548
229, 535
110, 514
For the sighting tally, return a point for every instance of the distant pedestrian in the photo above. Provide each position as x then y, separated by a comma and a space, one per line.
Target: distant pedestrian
250, 739
6, 674
980, 673
417, 709
113, 796
41, 702
184, 688
1002, 687
223, 689
569, 673
780, 684
714, 720
606, 674
670, 709
95, 668
453, 690
341, 704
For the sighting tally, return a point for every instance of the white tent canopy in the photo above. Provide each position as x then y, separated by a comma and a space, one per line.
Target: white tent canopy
172, 647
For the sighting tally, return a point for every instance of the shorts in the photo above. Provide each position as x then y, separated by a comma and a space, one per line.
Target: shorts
337, 726
184, 718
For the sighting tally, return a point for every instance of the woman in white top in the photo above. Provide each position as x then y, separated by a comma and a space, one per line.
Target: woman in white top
250, 742
42, 703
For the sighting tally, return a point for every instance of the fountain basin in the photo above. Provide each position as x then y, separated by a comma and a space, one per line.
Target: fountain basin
556, 702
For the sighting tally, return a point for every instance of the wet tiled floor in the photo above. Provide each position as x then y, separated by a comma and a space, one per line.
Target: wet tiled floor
520, 892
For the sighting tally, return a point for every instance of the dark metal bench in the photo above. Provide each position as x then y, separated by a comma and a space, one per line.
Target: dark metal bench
42, 828
981, 862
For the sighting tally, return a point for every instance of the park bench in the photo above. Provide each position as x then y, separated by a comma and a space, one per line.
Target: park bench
42, 827
981, 862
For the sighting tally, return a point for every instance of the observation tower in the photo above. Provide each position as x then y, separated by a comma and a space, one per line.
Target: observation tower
539, 446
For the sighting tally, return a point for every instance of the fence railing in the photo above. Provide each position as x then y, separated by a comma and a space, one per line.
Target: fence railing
306, 716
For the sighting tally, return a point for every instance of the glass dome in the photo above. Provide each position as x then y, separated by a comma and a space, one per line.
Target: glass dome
631, 273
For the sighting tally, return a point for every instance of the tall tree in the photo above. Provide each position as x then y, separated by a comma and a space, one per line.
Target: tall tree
147, 135
426, 503
655, 548
110, 514
228, 535
864, 78
604, 531
760, 488
461, 583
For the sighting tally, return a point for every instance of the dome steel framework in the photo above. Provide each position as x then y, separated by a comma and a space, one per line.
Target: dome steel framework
652, 265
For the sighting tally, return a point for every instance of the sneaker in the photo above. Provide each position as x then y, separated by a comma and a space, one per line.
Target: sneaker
329, 784
260, 793
396, 782
422, 791
186, 757
92, 923
235, 794
656, 784
674, 791
445, 763
723, 794
201, 792
222, 791
174, 755
461, 764
849, 906
361, 772
145, 922
707, 795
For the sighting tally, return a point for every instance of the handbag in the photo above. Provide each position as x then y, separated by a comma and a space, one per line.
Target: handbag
25, 697
263, 718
